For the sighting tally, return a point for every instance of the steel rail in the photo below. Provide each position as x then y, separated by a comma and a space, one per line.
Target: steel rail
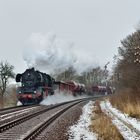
13, 109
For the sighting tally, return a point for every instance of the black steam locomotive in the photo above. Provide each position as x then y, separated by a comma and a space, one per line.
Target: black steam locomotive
35, 85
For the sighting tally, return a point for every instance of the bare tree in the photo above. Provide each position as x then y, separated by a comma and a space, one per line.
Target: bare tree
6, 72
95, 76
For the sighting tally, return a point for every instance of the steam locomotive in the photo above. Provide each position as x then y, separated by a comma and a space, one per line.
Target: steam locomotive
35, 86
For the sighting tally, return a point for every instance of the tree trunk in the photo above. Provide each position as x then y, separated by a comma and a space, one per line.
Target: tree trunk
1, 101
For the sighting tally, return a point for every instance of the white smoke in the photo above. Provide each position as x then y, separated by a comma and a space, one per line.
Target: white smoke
50, 54
19, 103
85, 62
59, 98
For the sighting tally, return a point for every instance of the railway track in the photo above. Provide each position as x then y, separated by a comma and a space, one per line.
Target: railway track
8, 108
9, 124
33, 134
29, 126
14, 109
17, 114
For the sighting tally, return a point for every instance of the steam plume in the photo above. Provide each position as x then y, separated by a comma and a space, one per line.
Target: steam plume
53, 55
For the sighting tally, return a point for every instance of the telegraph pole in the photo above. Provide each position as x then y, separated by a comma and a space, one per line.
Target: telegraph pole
105, 72
106, 76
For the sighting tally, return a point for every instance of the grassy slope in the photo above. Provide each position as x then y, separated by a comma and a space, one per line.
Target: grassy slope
127, 101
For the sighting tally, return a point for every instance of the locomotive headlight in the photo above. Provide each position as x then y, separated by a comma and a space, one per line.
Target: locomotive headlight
35, 91
19, 92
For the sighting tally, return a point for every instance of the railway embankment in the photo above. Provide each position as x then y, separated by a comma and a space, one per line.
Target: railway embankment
101, 120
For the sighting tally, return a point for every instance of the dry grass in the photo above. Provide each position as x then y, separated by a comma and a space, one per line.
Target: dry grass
127, 102
10, 99
103, 126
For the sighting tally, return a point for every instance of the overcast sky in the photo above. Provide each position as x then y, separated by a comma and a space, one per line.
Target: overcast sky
94, 26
